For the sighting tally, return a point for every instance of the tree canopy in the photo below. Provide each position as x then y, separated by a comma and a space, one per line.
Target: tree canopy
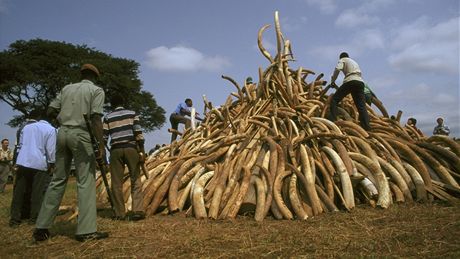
33, 72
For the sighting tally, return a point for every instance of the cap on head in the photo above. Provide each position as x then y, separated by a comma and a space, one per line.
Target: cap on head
249, 80
344, 55
90, 67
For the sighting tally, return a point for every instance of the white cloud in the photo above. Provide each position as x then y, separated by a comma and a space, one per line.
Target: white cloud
375, 5
180, 58
364, 14
289, 25
267, 44
355, 46
352, 18
325, 6
369, 39
425, 102
443, 98
424, 47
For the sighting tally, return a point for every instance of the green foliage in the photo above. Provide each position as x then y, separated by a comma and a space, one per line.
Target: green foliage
33, 72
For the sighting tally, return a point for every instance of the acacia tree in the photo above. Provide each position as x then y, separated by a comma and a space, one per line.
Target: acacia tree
33, 72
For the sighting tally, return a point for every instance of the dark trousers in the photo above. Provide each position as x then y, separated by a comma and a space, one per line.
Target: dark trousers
356, 89
175, 119
119, 157
29, 188
4, 172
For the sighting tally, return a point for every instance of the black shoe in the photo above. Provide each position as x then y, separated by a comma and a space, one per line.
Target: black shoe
41, 234
91, 236
121, 218
137, 215
14, 223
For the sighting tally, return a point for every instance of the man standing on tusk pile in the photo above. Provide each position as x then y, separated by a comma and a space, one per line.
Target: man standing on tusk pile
179, 116
352, 83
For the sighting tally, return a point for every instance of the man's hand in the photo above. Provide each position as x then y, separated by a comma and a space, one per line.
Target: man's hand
51, 169
142, 157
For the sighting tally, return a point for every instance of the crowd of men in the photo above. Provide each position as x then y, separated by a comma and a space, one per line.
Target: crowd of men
43, 156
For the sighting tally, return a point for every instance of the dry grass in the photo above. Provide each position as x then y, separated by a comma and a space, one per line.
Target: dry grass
420, 230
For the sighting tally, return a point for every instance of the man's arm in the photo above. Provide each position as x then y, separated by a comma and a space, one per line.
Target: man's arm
106, 131
96, 123
50, 148
446, 130
336, 72
185, 111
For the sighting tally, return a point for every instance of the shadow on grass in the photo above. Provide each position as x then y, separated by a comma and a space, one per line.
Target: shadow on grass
106, 213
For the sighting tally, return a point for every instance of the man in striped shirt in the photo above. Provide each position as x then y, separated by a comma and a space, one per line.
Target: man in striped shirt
126, 148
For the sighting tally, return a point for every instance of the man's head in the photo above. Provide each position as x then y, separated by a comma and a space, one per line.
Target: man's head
35, 114
5, 143
189, 102
411, 121
440, 121
117, 100
249, 80
344, 55
89, 71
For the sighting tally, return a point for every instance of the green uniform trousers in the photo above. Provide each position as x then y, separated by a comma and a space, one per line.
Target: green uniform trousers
118, 158
72, 142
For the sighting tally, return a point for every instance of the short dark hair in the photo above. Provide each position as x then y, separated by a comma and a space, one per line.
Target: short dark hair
188, 100
117, 100
344, 55
5, 139
36, 114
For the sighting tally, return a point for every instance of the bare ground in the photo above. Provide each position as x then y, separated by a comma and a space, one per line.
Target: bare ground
405, 230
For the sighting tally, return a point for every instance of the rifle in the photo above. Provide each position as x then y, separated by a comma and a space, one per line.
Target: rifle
99, 159
142, 163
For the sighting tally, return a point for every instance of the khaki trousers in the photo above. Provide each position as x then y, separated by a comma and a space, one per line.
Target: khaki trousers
72, 143
119, 157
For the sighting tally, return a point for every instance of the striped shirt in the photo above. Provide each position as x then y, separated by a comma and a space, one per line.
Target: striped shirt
122, 126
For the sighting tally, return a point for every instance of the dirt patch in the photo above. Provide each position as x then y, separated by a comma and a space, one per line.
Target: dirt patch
404, 230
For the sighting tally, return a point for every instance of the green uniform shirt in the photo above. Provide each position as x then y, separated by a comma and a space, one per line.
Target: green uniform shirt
74, 100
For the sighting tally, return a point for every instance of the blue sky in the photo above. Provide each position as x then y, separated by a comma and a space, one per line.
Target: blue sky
408, 50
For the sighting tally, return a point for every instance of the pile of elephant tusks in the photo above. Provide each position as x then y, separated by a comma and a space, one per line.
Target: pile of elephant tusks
270, 151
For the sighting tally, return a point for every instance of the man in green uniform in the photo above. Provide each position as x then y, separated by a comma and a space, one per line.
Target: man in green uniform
73, 141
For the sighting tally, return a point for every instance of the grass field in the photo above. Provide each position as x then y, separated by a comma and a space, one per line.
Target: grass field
405, 230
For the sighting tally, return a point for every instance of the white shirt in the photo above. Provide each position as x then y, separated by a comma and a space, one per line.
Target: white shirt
38, 145
350, 69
